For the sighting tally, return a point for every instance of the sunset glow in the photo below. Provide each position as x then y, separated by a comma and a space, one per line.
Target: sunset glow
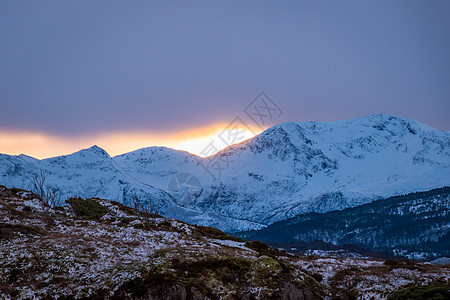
195, 141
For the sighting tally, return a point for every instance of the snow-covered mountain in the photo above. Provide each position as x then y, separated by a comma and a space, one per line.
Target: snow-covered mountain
93, 173
289, 169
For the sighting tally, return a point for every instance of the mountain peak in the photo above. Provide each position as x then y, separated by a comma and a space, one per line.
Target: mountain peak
294, 138
97, 150
27, 157
379, 121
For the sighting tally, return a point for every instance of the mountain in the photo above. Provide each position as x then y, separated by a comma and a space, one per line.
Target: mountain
93, 173
415, 225
289, 169
100, 249
294, 168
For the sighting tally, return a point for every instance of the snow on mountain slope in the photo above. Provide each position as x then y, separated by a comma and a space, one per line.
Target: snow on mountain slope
87, 173
289, 169
157, 165
93, 173
300, 167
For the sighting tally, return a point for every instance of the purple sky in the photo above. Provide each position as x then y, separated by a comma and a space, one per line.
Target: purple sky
79, 67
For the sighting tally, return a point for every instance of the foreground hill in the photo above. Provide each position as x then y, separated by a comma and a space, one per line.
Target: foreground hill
415, 225
99, 249
289, 169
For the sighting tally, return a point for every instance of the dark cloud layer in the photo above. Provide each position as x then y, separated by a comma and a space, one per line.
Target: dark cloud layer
76, 67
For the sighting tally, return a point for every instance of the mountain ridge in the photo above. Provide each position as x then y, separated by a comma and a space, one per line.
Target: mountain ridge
289, 169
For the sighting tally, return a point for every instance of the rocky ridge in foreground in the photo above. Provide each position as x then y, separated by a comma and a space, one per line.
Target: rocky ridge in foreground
100, 249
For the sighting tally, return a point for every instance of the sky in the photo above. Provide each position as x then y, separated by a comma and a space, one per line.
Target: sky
132, 74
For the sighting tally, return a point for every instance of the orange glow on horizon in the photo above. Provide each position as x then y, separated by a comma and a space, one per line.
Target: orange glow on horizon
43, 145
